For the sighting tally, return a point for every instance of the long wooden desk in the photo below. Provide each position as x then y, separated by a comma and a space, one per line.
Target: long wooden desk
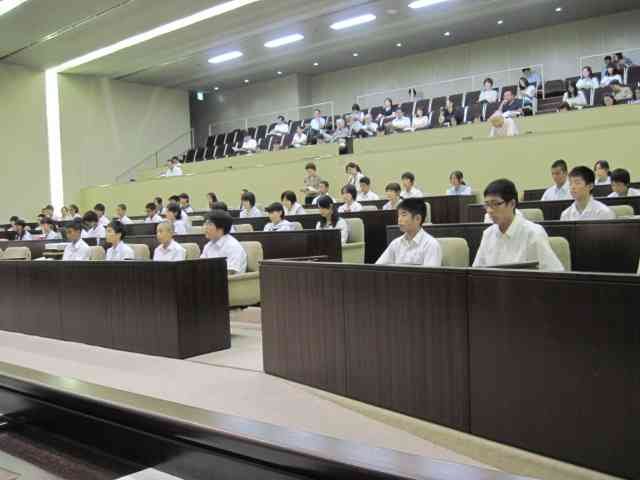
553, 210
545, 362
596, 246
598, 191
170, 309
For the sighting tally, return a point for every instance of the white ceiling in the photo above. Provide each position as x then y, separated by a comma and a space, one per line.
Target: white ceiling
39, 36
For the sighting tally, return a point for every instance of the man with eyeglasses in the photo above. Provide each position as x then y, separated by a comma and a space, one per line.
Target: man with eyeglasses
512, 238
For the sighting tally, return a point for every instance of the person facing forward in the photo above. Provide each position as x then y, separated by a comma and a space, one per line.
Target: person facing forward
217, 227
168, 249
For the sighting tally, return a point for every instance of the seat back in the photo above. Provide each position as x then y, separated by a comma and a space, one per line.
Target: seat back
369, 208
533, 214
196, 230
141, 251
599, 94
356, 230
297, 226
561, 248
424, 105
97, 254
428, 217
1, 254
437, 103
193, 251
622, 211
17, 253
455, 252
471, 97
255, 255
244, 228
554, 88
456, 100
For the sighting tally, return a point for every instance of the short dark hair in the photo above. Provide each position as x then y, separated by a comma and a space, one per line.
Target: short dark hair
326, 202
310, 166
355, 107
151, 206
621, 175
352, 165
90, 216
488, 79
560, 164
174, 159
414, 206
118, 227
21, 223
457, 174
365, 180
275, 207
220, 219
585, 173
14, 219
351, 190
608, 57
325, 183
176, 210
122, 206
408, 176
248, 197
393, 187
75, 224
158, 200
281, 118
289, 195
49, 207
503, 188
602, 164
317, 110
212, 196
99, 207
174, 198
48, 221
219, 206
74, 208
184, 195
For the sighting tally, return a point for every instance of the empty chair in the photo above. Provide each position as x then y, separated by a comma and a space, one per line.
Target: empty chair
490, 109
622, 211
598, 95
191, 155
633, 77
211, 141
471, 98
571, 80
286, 140
456, 100
375, 111
428, 218
252, 132
210, 153
297, 226
192, 251
554, 88
369, 208
261, 132
1, 254
455, 252
424, 105
244, 228
532, 214
353, 250
561, 248
199, 154
141, 251
220, 138
97, 254
244, 288
438, 103
295, 125
196, 230
472, 112
17, 253
407, 109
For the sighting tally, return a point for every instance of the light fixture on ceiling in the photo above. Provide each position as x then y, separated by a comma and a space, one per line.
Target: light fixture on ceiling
424, 3
279, 72
246, 80
8, 5
356, 54
399, 44
447, 34
316, 64
225, 57
559, 9
279, 42
500, 22
215, 89
352, 22
200, 96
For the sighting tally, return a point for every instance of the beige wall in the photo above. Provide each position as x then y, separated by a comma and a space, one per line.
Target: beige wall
24, 169
108, 126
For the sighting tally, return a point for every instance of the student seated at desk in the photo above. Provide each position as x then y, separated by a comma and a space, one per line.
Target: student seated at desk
21, 230
323, 190
77, 250
620, 180
561, 190
74, 211
100, 211
223, 206
152, 213
330, 220
276, 215
176, 218
365, 194
392, 192
415, 247
174, 169
121, 215
185, 203
409, 189
585, 207
602, 173
290, 202
249, 209
512, 238
458, 186
349, 195
92, 228
169, 250
119, 251
50, 230
217, 228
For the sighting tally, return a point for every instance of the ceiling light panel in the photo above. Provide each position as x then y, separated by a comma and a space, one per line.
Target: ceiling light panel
279, 42
8, 5
225, 57
425, 3
352, 22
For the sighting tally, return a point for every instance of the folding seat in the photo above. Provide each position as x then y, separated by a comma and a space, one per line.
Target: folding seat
424, 105
490, 109
571, 80
471, 98
263, 144
244, 288
433, 120
554, 88
633, 77
17, 253
286, 140
599, 94
297, 226
437, 103
97, 254
622, 211
261, 132
244, 228
407, 109
353, 250
211, 141
193, 250
562, 249
219, 153
220, 138
598, 75
252, 132
533, 214
456, 99
271, 127
191, 154
295, 125
472, 112
375, 111
455, 252
199, 156
141, 251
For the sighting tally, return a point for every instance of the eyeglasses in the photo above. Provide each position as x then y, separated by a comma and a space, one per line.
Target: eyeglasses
493, 205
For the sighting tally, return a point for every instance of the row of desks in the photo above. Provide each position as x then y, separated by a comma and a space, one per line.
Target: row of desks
598, 191
546, 362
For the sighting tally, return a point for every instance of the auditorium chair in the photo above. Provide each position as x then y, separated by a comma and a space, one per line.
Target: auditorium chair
193, 251
17, 253
196, 230
533, 214
633, 76
97, 254
244, 228
456, 100
427, 220
622, 211
353, 250
141, 251
561, 248
1, 254
554, 88
424, 105
437, 103
455, 252
244, 288
369, 208
297, 226
471, 98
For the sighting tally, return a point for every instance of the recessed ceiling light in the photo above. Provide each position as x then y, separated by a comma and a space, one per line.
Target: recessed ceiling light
315, 64
355, 54
8, 5
216, 88
225, 57
447, 34
424, 3
392, 11
559, 9
500, 22
279, 72
246, 80
279, 42
399, 44
352, 22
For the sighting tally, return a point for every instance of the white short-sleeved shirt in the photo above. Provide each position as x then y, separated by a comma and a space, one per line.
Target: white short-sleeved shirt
422, 249
252, 213
557, 193
315, 200
341, 225
155, 219
180, 227
172, 253
631, 192
524, 241
230, 248
120, 253
98, 231
413, 193
175, 172
594, 210
77, 252
354, 207
296, 209
401, 123
104, 221
487, 217
53, 236
606, 181
280, 129
490, 96
26, 236
390, 206
125, 220
283, 226
461, 190
366, 197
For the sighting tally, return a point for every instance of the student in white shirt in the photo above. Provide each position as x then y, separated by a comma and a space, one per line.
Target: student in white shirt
280, 129
365, 194
420, 121
611, 75
152, 213
221, 244
561, 190
100, 211
223, 206
369, 127
276, 215
212, 198
488, 94
185, 203
299, 139
400, 123
602, 173
77, 250
620, 180
119, 251
458, 186
168, 249
409, 189
354, 174
173, 168
74, 211
21, 231
587, 81
356, 122
415, 247
50, 230
349, 195
92, 228
392, 192
329, 219
249, 209
573, 97
323, 189
65, 214
160, 209
176, 218
121, 215
290, 202
585, 207
512, 238
316, 127
249, 145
